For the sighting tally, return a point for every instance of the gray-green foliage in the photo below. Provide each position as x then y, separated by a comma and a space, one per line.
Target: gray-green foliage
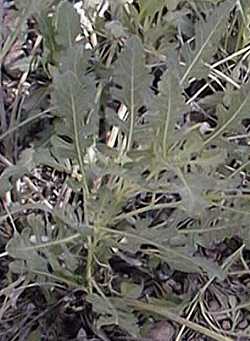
67, 25
131, 74
166, 111
74, 95
30, 7
137, 198
208, 34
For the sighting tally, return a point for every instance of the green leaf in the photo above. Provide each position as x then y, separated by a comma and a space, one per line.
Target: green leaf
75, 59
131, 290
207, 36
45, 157
178, 257
33, 6
149, 8
166, 313
20, 247
112, 313
47, 28
193, 188
216, 226
232, 112
9, 176
67, 24
172, 4
74, 96
116, 29
165, 111
34, 250
132, 76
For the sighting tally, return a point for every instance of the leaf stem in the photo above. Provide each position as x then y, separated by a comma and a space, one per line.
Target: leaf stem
146, 209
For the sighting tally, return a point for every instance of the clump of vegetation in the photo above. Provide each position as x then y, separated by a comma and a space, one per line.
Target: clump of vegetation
125, 168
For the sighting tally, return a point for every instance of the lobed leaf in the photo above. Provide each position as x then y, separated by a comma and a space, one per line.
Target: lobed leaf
166, 110
208, 33
232, 112
74, 96
132, 79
